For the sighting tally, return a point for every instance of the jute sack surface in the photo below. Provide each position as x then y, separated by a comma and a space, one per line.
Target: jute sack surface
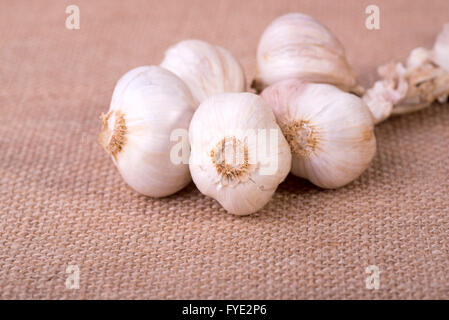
62, 202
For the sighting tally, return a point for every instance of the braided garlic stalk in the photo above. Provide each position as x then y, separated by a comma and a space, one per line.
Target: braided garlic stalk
415, 86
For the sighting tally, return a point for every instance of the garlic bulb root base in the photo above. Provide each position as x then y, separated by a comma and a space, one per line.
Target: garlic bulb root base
301, 136
113, 141
234, 170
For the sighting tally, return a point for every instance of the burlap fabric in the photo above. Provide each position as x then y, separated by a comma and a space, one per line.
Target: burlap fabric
62, 202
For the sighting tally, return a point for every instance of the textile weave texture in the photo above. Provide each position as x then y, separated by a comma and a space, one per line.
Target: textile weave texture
62, 201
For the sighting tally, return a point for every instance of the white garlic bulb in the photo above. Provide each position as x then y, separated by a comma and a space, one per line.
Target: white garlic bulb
441, 48
297, 46
330, 132
239, 155
205, 68
148, 103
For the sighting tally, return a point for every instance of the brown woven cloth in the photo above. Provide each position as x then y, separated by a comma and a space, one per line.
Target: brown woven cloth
62, 202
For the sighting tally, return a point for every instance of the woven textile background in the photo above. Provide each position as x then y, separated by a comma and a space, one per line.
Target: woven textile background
62, 201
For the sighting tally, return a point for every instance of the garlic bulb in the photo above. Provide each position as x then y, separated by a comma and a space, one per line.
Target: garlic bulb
205, 68
413, 86
148, 103
239, 155
297, 46
330, 132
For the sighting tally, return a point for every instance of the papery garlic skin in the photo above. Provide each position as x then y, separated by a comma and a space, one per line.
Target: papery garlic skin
413, 86
330, 132
297, 46
441, 48
384, 94
205, 68
225, 122
148, 103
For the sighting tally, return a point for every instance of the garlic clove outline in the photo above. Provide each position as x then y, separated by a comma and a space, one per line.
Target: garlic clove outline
330, 132
147, 104
205, 68
296, 46
238, 153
